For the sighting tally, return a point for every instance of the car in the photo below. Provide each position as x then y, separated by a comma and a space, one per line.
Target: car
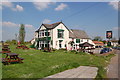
117, 48
105, 50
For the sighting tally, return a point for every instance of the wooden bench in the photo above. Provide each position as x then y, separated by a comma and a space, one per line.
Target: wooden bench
25, 47
12, 57
47, 49
22, 47
90, 52
5, 51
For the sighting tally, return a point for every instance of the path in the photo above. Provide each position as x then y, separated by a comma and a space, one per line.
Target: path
80, 72
112, 71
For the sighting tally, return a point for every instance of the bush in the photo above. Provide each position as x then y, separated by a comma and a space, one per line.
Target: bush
11, 42
53, 49
62, 49
74, 51
32, 46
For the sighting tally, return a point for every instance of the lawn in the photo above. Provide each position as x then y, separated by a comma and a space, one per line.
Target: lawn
39, 64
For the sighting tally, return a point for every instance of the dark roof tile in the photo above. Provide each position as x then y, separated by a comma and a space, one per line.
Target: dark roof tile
78, 34
51, 26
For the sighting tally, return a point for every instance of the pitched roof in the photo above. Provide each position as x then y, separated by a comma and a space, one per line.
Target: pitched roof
51, 26
86, 44
78, 34
98, 42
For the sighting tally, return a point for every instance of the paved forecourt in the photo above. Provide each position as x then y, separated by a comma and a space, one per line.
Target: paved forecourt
80, 72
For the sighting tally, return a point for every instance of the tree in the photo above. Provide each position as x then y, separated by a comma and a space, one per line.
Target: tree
97, 38
22, 33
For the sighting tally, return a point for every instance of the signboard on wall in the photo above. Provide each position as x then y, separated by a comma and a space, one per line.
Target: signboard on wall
109, 34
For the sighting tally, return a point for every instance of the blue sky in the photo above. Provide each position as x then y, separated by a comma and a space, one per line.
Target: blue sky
93, 17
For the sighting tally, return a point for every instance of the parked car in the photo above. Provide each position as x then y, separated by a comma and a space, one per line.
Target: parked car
105, 50
117, 48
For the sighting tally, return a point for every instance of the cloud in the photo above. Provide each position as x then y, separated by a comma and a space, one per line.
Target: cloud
11, 6
9, 24
41, 5
7, 4
61, 7
115, 4
11, 28
18, 8
28, 26
45, 21
116, 28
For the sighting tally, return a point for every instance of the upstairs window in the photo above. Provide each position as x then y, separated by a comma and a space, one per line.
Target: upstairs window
60, 33
42, 33
47, 33
81, 40
77, 40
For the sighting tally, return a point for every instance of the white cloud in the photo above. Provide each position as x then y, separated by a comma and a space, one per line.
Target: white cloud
115, 4
41, 5
116, 28
28, 26
11, 6
45, 21
61, 7
9, 24
7, 4
10, 29
18, 8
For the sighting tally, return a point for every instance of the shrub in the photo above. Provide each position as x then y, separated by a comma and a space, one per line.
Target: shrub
62, 49
32, 46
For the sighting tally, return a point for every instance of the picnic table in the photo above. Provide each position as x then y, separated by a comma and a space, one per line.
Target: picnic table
5, 50
5, 46
22, 47
47, 49
25, 47
11, 57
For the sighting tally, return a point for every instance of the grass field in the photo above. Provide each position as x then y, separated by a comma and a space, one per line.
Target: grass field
39, 64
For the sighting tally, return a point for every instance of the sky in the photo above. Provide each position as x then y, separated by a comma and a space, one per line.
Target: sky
93, 17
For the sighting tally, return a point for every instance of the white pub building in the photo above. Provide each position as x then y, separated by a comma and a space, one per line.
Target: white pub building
58, 36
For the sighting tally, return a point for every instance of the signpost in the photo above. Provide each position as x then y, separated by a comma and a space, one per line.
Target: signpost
108, 36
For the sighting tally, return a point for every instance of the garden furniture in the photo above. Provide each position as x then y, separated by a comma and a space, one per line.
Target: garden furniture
11, 57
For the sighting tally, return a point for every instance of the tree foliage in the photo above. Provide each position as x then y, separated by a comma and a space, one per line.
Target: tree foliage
97, 38
22, 33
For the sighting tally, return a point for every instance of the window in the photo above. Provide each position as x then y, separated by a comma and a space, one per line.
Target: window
42, 33
60, 43
87, 40
77, 40
81, 40
47, 33
60, 33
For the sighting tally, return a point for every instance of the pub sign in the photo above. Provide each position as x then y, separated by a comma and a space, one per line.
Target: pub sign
109, 34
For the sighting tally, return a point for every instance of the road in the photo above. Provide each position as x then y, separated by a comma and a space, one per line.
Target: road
112, 69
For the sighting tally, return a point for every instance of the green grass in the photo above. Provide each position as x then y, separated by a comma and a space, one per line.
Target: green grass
39, 64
